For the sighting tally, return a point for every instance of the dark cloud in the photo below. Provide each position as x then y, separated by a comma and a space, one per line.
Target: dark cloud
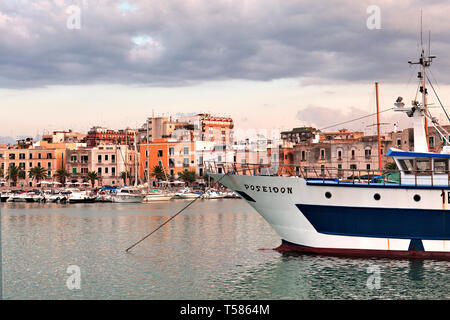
184, 42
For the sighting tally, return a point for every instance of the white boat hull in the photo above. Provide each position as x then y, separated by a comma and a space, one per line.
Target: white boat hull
351, 221
128, 198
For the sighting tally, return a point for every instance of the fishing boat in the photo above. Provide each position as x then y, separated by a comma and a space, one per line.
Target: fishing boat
335, 212
128, 195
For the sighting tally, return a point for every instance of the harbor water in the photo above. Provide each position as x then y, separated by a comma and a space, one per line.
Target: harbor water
216, 249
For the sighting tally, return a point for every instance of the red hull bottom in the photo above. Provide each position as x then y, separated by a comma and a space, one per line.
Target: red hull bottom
359, 253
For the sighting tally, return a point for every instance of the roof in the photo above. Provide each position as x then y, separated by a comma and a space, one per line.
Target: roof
400, 153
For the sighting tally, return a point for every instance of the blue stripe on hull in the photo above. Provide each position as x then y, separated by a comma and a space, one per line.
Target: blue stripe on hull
379, 222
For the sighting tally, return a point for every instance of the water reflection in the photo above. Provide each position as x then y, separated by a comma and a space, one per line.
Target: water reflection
211, 251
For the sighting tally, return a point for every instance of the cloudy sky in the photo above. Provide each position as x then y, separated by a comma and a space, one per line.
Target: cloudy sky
268, 64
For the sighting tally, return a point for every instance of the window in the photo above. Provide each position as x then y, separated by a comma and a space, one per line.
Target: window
322, 154
186, 150
423, 166
219, 158
99, 170
186, 162
84, 159
399, 143
74, 171
440, 165
30, 156
407, 165
353, 167
22, 156
160, 153
106, 157
368, 166
353, 154
113, 171
39, 156
49, 156
431, 142
339, 155
49, 165
12, 156
106, 170
99, 158
171, 163
303, 155
200, 160
73, 159
367, 153
171, 151
113, 158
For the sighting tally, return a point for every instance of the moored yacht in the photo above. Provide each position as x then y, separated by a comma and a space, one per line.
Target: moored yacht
128, 195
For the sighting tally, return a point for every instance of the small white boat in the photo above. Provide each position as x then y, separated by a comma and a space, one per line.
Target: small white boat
158, 196
187, 194
77, 196
128, 195
17, 197
213, 195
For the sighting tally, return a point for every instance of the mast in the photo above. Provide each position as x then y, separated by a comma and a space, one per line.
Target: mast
148, 159
135, 161
378, 128
419, 111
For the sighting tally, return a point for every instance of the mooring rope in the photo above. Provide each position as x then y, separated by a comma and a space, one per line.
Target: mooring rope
171, 218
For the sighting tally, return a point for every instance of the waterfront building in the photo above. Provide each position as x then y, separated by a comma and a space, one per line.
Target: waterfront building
64, 137
109, 161
99, 135
26, 156
173, 155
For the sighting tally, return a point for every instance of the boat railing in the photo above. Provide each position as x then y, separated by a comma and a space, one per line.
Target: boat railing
333, 174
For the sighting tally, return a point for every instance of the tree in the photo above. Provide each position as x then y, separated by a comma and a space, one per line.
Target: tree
158, 172
14, 173
92, 177
62, 175
37, 173
124, 176
188, 176
391, 166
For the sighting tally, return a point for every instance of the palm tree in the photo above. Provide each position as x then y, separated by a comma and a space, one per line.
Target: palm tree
158, 172
14, 173
92, 177
188, 176
37, 173
62, 175
124, 175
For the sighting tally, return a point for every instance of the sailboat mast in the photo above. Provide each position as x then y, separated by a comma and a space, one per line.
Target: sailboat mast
378, 128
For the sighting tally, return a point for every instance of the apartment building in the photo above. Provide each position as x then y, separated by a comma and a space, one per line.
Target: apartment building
109, 161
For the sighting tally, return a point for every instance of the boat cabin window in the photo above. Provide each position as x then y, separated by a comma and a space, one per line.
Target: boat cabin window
423, 166
406, 165
440, 165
